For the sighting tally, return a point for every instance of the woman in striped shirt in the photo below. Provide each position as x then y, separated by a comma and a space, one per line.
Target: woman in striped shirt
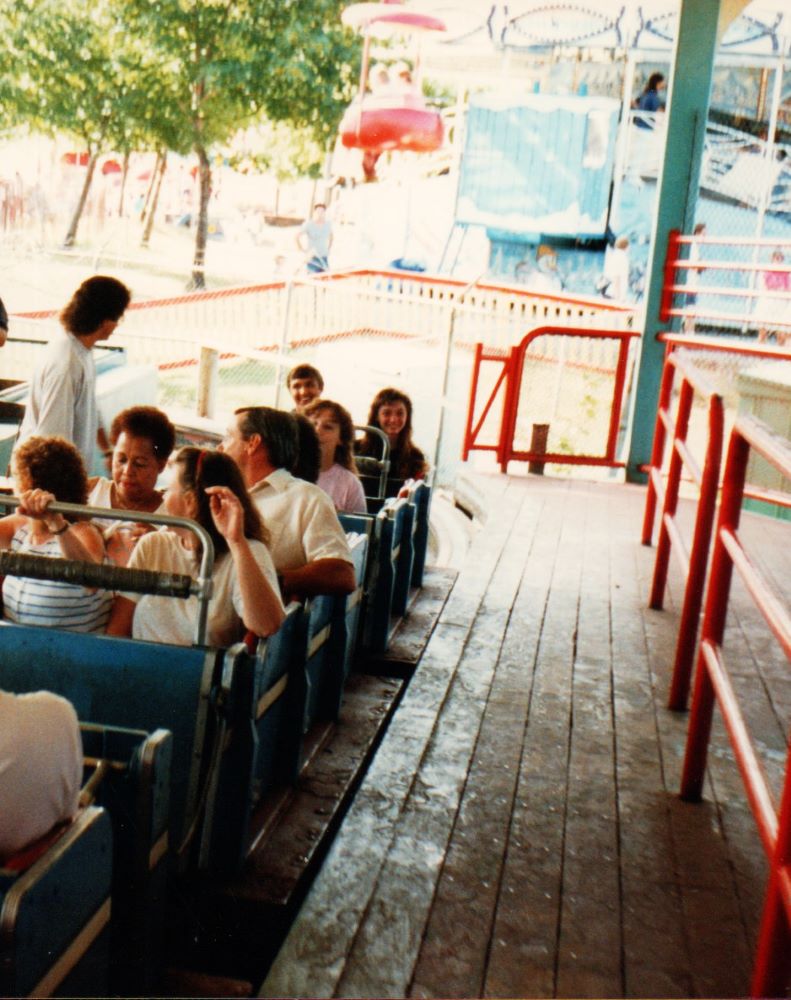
48, 469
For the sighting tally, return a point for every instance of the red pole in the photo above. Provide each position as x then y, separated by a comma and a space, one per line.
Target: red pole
476, 368
617, 396
670, 506
773, 956
658, 448
698, 560
510, 402
714, 619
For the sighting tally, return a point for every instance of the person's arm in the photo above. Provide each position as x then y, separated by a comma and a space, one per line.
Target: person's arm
8, 527
81, 541
121, 617
262, 609
322, 576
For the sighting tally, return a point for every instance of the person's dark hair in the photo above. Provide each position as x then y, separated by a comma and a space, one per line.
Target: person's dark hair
3, 317
308, 463
277, 429
146, 422
305, 371
97, 299
653, 82
52, 464
407, 460
198, 468
344, 452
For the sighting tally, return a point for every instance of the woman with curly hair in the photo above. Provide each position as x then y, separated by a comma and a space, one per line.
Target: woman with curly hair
47, 470
338, 475
207, 486
391, 412
142, 438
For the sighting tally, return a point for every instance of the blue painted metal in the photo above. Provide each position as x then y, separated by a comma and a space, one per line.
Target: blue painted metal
420, 498
135, 791
132, 684
279, 704
538, 165
44, 909
687, 110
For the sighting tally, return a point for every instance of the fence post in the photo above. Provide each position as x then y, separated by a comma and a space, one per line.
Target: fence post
444, 387
207, 381
281, 354
538, 445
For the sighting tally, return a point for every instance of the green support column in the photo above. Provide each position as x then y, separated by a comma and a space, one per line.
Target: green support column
687, 112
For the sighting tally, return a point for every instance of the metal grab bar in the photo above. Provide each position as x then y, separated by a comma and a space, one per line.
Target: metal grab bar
383, 463
115, 577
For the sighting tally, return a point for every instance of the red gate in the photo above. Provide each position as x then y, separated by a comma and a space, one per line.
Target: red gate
510, 381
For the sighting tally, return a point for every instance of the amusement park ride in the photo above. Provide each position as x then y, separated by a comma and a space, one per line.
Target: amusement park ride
389, 114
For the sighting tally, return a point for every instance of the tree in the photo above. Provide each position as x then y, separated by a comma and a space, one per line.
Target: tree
220, 64
70, 76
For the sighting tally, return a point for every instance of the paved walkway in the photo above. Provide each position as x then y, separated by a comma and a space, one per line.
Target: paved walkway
519, 832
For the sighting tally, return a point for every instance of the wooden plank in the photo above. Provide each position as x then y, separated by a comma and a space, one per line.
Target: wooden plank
313, 957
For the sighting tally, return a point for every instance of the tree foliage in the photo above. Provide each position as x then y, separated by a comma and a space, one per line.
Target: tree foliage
175, 74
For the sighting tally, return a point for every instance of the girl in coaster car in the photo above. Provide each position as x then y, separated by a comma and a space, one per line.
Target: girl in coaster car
207, 487
142, 438
338, 475
391, 411
48, 469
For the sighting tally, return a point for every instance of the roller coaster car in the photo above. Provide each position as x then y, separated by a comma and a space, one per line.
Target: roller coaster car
180, 801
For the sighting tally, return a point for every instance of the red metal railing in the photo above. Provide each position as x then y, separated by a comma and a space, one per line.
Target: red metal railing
510, 379
712, 681
694, 559
736, 294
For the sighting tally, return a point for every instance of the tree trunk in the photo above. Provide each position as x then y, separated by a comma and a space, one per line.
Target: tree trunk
198, 276
162, 162
124, 176
150, 189
71, 236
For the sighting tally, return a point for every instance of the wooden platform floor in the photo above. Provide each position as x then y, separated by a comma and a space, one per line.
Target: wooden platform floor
519, 832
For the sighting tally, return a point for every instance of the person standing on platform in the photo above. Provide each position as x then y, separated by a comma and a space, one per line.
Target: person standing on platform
314, 238
63, 386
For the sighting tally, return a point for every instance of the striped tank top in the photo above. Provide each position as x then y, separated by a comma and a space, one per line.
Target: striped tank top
51, 604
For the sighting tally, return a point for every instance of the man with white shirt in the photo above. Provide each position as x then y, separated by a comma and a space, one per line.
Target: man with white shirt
308, 544
40, 766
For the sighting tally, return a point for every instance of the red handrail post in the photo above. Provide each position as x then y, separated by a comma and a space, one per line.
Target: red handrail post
698, 560
772, 970
713, 629
671, 262
476, 369
671, 496
658, 449
510, 406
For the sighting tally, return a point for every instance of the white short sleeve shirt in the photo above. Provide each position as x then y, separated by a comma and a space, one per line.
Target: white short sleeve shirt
301, 519
172, 619
40, 766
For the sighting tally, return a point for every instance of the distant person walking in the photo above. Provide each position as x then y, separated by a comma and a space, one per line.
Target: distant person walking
63, 386
314, 238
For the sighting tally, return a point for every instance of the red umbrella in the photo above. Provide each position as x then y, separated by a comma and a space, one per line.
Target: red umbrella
111, 167
76, 159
